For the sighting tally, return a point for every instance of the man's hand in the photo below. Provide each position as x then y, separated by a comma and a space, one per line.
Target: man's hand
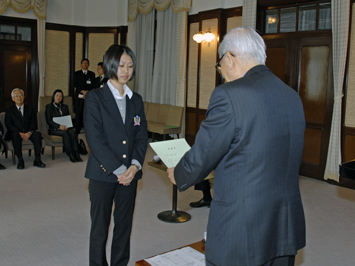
127, 177
25, 136
171, 175
84, 93
63, 127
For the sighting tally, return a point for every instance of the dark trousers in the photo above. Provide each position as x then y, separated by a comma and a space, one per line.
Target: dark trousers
102, 196
79, 110
70, 139
36, 139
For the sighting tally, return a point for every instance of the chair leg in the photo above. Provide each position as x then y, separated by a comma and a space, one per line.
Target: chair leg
29, 152
13, 158
6, 154
53, 152
42, 151
177, 135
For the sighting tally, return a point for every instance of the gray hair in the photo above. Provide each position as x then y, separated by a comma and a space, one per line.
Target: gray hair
17, 89
244, 43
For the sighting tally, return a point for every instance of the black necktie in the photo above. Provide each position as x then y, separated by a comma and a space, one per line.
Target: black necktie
19, 109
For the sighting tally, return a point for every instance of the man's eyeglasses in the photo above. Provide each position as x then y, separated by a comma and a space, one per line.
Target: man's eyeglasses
218, 65
18, 95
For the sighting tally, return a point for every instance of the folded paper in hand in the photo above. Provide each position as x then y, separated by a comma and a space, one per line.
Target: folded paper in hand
63, 121
170, 151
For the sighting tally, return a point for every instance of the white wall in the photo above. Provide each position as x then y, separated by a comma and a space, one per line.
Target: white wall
105, 13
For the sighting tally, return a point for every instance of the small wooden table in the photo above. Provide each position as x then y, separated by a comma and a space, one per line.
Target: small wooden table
173, 216
199, 246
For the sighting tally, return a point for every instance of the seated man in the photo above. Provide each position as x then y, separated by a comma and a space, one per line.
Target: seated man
21, 124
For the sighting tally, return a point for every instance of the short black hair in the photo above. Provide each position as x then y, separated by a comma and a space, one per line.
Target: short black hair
85, 59
100, 64
112, 59
55, 93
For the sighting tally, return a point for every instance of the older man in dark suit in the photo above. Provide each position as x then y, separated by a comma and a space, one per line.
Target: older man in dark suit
83, 82
21, 124
256, 215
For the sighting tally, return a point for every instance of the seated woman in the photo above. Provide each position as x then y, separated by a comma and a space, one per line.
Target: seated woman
70, 138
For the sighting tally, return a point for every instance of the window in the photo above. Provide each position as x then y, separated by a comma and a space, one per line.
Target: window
15, 33
298, 18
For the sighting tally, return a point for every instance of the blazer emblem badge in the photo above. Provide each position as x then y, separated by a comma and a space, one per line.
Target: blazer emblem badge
137, 120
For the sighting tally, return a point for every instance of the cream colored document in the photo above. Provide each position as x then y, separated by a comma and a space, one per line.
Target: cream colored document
170, 151
63, 121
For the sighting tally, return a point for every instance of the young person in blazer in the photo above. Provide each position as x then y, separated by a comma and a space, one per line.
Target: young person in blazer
116, 133
256, 215
70, 138
21, 124
83, 82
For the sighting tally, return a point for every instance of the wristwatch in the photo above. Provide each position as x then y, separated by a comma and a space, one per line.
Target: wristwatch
137, 167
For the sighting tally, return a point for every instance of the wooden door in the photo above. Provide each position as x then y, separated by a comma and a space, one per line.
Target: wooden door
305, 64
15, 72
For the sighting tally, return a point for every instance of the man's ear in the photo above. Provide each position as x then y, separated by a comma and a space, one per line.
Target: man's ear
230, 62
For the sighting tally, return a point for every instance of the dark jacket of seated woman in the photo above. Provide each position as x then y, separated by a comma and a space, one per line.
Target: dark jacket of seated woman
70, 138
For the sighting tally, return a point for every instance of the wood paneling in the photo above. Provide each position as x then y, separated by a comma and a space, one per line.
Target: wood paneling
312, 146
277, 67
313, 81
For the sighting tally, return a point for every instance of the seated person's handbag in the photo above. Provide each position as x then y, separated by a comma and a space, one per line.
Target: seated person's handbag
82, 147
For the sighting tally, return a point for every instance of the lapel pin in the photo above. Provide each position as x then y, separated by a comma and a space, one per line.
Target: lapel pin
137, 120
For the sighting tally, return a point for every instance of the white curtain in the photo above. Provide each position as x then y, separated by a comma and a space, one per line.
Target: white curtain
144, 50
22, 6
164, 74
145, 6
41, 34
340, 28
249, 13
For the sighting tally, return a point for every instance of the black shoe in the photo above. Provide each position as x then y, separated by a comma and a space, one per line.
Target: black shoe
2, 167
200, 203
72, 158
21, 165
39, 163
77, 156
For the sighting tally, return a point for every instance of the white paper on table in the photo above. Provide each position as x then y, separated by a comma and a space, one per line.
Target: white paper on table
186, 256
170, 151
63, 121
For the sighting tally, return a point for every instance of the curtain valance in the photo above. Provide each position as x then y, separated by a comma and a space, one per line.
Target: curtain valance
22, 6
145, 6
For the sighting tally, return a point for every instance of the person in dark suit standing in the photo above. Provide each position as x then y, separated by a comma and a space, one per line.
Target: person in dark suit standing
70, 138
2, 143
21, 124
100, 81
256, 215
116, 133
83, 82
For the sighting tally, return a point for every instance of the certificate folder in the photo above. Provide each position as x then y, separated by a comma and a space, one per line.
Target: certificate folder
170, 151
